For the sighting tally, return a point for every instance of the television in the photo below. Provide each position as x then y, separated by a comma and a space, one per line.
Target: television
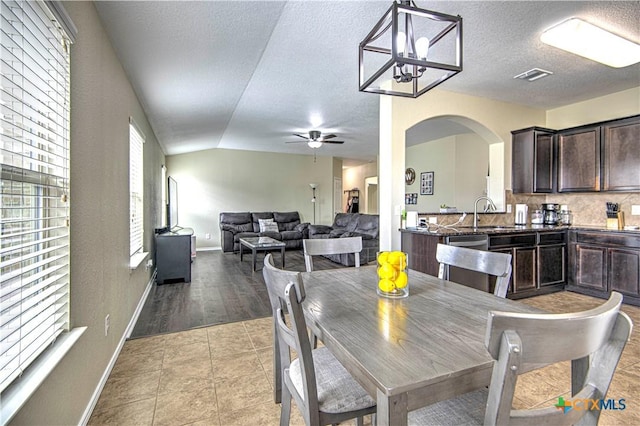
172, 204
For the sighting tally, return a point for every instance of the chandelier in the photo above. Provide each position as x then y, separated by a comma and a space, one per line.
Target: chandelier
410, 51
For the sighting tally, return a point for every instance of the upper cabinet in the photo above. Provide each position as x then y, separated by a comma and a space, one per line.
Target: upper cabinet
598, 157
533, 164
621, 155
579, 160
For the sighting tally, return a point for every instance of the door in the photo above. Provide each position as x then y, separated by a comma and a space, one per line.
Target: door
337, 196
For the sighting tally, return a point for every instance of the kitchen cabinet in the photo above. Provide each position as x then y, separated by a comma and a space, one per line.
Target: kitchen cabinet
579, 159
605, 262
421, 250
538, 261
621, 155
533, 160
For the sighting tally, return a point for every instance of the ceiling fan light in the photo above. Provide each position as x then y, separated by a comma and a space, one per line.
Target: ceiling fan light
589, 41
314, 144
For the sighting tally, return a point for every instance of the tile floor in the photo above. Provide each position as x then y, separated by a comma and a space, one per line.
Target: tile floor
222, 375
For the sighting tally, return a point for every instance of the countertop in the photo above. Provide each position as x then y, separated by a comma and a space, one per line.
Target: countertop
508, 229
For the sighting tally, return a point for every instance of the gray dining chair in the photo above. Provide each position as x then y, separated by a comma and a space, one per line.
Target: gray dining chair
322, 388
592, 340
322, 246
489, 262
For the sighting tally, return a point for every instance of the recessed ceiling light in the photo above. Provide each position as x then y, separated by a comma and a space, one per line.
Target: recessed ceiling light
584, 39
533, 74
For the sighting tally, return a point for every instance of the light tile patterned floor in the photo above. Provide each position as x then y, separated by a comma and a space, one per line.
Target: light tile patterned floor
222, 375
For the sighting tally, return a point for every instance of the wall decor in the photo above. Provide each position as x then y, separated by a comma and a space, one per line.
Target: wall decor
426, 183
409, 176
411, 198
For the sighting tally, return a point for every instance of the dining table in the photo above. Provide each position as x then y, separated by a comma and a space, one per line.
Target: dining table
409, 352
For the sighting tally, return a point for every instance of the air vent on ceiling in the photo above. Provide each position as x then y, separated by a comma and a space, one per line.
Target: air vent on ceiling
533, 74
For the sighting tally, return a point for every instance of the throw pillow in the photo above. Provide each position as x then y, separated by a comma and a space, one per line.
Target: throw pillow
268, 225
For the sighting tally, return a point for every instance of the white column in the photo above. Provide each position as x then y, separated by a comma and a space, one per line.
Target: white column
391, 165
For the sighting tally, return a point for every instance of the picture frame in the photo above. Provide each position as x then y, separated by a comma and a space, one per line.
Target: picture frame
426, 183
411, 198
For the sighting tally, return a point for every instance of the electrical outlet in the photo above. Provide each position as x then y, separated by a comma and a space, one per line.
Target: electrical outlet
635, 210
148, 265
433, 219
508, 208
107, 324
207, 236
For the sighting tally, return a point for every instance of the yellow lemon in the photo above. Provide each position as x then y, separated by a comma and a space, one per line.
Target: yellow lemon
401, 280
398, 259
387, 271
386, 285
383, 257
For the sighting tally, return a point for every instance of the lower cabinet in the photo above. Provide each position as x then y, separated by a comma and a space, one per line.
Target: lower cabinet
602, 263
538, 261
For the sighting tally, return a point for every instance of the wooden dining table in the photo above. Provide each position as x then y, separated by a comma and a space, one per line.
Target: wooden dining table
407, 353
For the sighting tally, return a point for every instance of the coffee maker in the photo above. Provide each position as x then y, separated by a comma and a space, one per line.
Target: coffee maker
550, 213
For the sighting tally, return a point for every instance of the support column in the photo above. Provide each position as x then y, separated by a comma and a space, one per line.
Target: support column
391, 185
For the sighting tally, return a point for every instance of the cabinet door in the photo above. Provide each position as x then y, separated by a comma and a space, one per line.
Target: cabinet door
532, 166
551, 264
579, 160
624, 271
621, 155
591, 267
524, 269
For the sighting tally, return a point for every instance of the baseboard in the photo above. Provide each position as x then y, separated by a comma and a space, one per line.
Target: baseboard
209, 249
127, 333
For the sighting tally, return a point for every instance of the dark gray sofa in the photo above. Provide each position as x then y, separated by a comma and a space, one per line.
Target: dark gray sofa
236, 225
351, 225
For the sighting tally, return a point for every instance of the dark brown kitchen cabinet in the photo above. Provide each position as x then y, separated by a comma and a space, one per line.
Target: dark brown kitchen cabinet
621, 155
533, 160
604, 262
538, 261
579, 159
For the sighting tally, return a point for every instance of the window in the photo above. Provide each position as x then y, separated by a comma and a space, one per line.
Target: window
34, 169
136, 186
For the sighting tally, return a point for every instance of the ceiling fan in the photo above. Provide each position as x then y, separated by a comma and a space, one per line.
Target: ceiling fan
315, 139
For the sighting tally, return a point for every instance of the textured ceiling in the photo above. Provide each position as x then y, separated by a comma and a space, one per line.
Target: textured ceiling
246, 75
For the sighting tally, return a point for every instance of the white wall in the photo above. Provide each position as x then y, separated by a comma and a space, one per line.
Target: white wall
223, 180
354, 177
101, 283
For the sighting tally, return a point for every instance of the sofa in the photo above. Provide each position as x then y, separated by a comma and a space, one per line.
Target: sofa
351, 225
236, 225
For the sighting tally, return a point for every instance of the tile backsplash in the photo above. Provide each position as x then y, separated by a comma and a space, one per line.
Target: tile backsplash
588, 209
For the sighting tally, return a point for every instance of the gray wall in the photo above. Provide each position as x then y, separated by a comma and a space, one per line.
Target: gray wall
101, 283
223, 180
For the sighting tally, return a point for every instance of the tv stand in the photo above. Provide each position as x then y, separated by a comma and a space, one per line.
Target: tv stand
173, 256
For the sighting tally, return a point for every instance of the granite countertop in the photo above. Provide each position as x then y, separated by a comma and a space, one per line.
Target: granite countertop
507, 229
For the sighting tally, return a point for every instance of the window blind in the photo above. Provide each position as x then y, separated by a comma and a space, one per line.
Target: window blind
34, 172
136, 186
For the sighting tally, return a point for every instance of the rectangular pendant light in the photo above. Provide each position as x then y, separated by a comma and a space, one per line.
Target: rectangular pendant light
589, 41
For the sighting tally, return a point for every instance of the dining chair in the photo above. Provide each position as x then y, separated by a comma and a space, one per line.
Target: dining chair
322, 388
489, 262
321, 246
592, 340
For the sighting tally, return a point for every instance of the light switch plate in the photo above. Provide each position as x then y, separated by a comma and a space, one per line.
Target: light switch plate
635, 210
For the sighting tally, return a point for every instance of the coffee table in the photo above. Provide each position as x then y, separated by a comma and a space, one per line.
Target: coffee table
256, 244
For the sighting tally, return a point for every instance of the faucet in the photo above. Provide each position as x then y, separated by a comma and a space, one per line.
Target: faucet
475, 209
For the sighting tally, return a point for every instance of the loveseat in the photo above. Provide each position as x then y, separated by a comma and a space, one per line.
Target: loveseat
236, 225
351, 225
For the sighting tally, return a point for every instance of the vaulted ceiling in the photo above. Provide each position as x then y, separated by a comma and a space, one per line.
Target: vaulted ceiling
249, 74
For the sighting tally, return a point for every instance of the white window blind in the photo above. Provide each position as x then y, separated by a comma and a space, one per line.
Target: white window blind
136, 186
34, 169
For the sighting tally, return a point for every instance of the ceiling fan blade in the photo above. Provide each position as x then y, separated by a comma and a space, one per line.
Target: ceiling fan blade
338, 142
304, 141
331, 136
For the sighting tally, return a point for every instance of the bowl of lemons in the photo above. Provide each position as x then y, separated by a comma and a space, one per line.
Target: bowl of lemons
393, 280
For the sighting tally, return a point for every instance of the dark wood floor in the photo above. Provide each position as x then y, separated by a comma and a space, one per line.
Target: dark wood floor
222, 290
